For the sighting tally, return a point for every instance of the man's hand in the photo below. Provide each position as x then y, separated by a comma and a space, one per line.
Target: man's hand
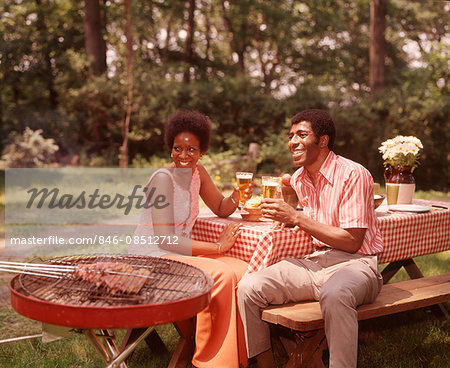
278, 210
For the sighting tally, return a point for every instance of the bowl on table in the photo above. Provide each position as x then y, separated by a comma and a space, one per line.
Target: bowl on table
251, 213
378, 199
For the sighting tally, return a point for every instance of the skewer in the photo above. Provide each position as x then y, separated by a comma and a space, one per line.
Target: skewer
35, 269
55, 271
31, 273
37, 265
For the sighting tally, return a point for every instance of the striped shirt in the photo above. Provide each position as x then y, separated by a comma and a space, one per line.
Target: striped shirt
342, 197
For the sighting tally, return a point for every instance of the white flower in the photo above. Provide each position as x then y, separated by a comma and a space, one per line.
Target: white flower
401, 150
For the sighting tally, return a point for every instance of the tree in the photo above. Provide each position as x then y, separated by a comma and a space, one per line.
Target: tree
250, 65
95, 44
123, 151
377, 49
188, 49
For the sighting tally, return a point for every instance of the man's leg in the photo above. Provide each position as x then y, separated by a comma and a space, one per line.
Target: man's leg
354, 284
286, 281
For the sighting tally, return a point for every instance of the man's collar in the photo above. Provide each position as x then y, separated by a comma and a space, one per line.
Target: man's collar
326, 170
328, 167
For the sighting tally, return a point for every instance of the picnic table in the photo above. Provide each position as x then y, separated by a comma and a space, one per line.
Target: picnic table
406, 236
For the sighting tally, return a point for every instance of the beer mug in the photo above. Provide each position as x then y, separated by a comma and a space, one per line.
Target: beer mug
270, 186
243, 180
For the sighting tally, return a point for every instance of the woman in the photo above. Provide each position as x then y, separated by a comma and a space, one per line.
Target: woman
181, 184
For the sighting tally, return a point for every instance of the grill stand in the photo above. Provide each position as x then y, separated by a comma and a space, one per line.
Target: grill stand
108, 350
115, 357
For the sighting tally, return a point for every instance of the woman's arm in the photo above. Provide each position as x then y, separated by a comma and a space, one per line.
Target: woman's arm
164, 225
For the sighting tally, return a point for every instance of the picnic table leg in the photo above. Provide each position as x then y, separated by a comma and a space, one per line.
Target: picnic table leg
414, 273
308, 352
185, 348
392, 268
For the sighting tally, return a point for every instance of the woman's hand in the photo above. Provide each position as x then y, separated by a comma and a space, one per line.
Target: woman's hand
228, 236
248, 193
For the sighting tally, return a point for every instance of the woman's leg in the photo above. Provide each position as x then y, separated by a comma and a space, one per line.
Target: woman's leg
216, 335
239, 268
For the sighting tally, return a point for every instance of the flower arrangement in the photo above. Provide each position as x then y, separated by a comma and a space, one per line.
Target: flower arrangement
401, 151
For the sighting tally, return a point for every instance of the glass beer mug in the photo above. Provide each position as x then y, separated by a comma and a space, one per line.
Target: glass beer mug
270, 186
243, 180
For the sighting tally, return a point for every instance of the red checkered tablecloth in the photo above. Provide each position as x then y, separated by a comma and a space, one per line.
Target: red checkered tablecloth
405, 235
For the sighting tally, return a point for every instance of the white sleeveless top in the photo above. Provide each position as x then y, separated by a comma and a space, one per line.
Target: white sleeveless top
185, 211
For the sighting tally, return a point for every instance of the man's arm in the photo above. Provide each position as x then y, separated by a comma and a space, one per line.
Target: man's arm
349, 240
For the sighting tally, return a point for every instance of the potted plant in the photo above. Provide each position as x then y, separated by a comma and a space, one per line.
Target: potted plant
401, 157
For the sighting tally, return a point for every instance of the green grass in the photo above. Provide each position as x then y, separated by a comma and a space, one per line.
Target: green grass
75, 350
432, 195
414, 339
410, 339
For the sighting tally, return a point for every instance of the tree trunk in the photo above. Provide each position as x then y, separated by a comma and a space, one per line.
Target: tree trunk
377, 48
236, 47
94, 42
188, 49
17, 109
123, 151
46, 50
165, 53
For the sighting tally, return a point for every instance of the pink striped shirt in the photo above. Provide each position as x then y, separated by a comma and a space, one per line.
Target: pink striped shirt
342, 197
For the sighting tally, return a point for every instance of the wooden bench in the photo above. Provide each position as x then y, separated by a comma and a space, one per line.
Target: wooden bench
305, 318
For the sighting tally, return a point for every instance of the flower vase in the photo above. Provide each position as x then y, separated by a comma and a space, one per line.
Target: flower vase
400, 184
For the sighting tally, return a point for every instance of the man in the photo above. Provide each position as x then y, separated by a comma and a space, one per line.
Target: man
342, 273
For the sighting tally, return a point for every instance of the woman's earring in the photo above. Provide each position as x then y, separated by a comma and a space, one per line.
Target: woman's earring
201, 156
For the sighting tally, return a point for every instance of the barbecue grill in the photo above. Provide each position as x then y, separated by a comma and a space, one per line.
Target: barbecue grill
174, 291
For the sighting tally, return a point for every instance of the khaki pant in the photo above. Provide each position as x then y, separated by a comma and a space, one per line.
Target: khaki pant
340, 281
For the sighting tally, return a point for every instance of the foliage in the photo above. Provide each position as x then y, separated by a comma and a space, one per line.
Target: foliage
222, 166
29, 149
153, 162
274, 157
249, 65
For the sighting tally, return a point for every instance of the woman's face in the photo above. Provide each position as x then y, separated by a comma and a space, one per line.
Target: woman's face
186, 150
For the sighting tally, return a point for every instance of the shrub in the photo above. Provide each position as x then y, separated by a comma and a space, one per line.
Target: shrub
29, 149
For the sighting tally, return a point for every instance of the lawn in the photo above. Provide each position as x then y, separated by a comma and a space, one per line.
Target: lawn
411, 339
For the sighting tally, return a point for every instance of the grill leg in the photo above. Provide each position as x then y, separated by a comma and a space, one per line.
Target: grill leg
128, 348
98, 345
108, 350
113, 350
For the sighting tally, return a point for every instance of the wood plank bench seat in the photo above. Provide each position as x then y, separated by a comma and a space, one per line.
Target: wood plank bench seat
306, 317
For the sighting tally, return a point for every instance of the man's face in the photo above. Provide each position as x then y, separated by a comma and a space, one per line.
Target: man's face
303, 144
